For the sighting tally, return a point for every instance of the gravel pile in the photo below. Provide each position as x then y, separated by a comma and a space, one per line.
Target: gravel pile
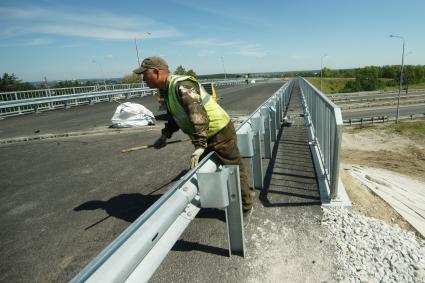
370, 250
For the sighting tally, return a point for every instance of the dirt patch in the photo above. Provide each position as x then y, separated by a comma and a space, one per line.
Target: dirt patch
369, 204
377, 147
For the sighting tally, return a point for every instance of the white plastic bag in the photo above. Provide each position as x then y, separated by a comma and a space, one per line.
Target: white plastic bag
129, 115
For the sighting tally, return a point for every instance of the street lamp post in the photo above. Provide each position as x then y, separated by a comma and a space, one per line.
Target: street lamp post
101, 71
224, 69
321, 71
401, 76
147, 33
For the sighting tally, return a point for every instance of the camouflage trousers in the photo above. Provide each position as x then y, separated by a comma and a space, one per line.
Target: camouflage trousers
225, 145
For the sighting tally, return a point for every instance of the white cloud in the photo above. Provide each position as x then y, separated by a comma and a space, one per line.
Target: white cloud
98, 32
109, 56
244, 49
252, 53
97, 25
300, 57
208, 42
204, 53
38, 41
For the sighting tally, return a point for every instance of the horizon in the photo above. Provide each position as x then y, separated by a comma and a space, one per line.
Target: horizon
63, 40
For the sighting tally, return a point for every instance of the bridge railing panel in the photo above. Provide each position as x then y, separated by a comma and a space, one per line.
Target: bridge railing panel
325, 125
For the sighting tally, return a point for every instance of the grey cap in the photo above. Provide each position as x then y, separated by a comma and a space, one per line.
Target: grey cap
153, 62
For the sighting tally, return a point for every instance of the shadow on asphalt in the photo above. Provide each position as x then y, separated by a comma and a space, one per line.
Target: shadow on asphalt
297, 182
127, 207
185, 246
212, 213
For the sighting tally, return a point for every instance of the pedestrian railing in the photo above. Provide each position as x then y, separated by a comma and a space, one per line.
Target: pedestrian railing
324, 124
139, 250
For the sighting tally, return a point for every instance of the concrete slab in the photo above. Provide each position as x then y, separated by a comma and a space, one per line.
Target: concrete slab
405, 195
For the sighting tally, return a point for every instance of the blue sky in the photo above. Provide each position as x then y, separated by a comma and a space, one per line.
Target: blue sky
92, 39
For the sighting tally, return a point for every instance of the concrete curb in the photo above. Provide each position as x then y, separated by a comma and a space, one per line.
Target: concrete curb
106, 131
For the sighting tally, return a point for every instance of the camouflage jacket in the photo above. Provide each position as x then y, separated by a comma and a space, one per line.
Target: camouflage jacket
190, 99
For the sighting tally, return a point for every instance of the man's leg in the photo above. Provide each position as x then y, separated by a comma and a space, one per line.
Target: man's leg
225, 145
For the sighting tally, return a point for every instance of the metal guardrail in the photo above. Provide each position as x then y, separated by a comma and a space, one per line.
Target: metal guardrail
139, 250
379, 92
380, 119
22, 102
324, 121
37, 93
49, 99
263, 124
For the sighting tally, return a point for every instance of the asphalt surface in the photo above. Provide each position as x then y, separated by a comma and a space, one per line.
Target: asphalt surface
340, 98
64, 199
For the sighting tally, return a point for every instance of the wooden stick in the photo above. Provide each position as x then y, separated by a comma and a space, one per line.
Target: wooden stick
148, 146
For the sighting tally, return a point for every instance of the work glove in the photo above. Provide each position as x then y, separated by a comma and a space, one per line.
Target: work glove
160, 142
194, 159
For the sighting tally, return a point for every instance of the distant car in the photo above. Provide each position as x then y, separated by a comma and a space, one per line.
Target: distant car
253, 81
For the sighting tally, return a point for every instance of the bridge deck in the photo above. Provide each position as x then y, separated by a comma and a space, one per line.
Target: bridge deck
63, 200
285, 241
291, 179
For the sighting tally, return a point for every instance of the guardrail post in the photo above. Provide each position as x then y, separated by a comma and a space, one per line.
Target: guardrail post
234, 213
273, 113
246, 148
281, 109
47, 93
257, 159
267, 135
66, 104
221, 189
19, 107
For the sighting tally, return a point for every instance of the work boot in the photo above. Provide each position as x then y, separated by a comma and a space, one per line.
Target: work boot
246, 213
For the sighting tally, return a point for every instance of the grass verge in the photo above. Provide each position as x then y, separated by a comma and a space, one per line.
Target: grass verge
403, 128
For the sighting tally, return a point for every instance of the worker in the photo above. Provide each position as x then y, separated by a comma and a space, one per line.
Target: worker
190, 109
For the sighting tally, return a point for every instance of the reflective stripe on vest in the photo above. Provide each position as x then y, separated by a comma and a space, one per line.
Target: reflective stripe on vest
217, 117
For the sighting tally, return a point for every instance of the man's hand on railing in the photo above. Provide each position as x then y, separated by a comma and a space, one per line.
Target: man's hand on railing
194, 159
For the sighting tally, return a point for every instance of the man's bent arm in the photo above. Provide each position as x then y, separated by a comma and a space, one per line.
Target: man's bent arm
190, 99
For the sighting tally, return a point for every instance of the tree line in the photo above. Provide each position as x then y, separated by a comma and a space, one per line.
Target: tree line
365, 79
10, 82
376, 77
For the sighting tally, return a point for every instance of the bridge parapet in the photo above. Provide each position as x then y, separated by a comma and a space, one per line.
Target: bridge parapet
324, 124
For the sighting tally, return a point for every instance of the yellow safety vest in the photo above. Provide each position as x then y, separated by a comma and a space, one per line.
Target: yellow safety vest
217, 117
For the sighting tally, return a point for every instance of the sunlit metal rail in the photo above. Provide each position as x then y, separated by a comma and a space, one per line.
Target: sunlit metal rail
324, 121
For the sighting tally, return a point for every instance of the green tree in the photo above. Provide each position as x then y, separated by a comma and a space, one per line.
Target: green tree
326, 72
180, 70
191, 73
366, 79
12, 83
132, 79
